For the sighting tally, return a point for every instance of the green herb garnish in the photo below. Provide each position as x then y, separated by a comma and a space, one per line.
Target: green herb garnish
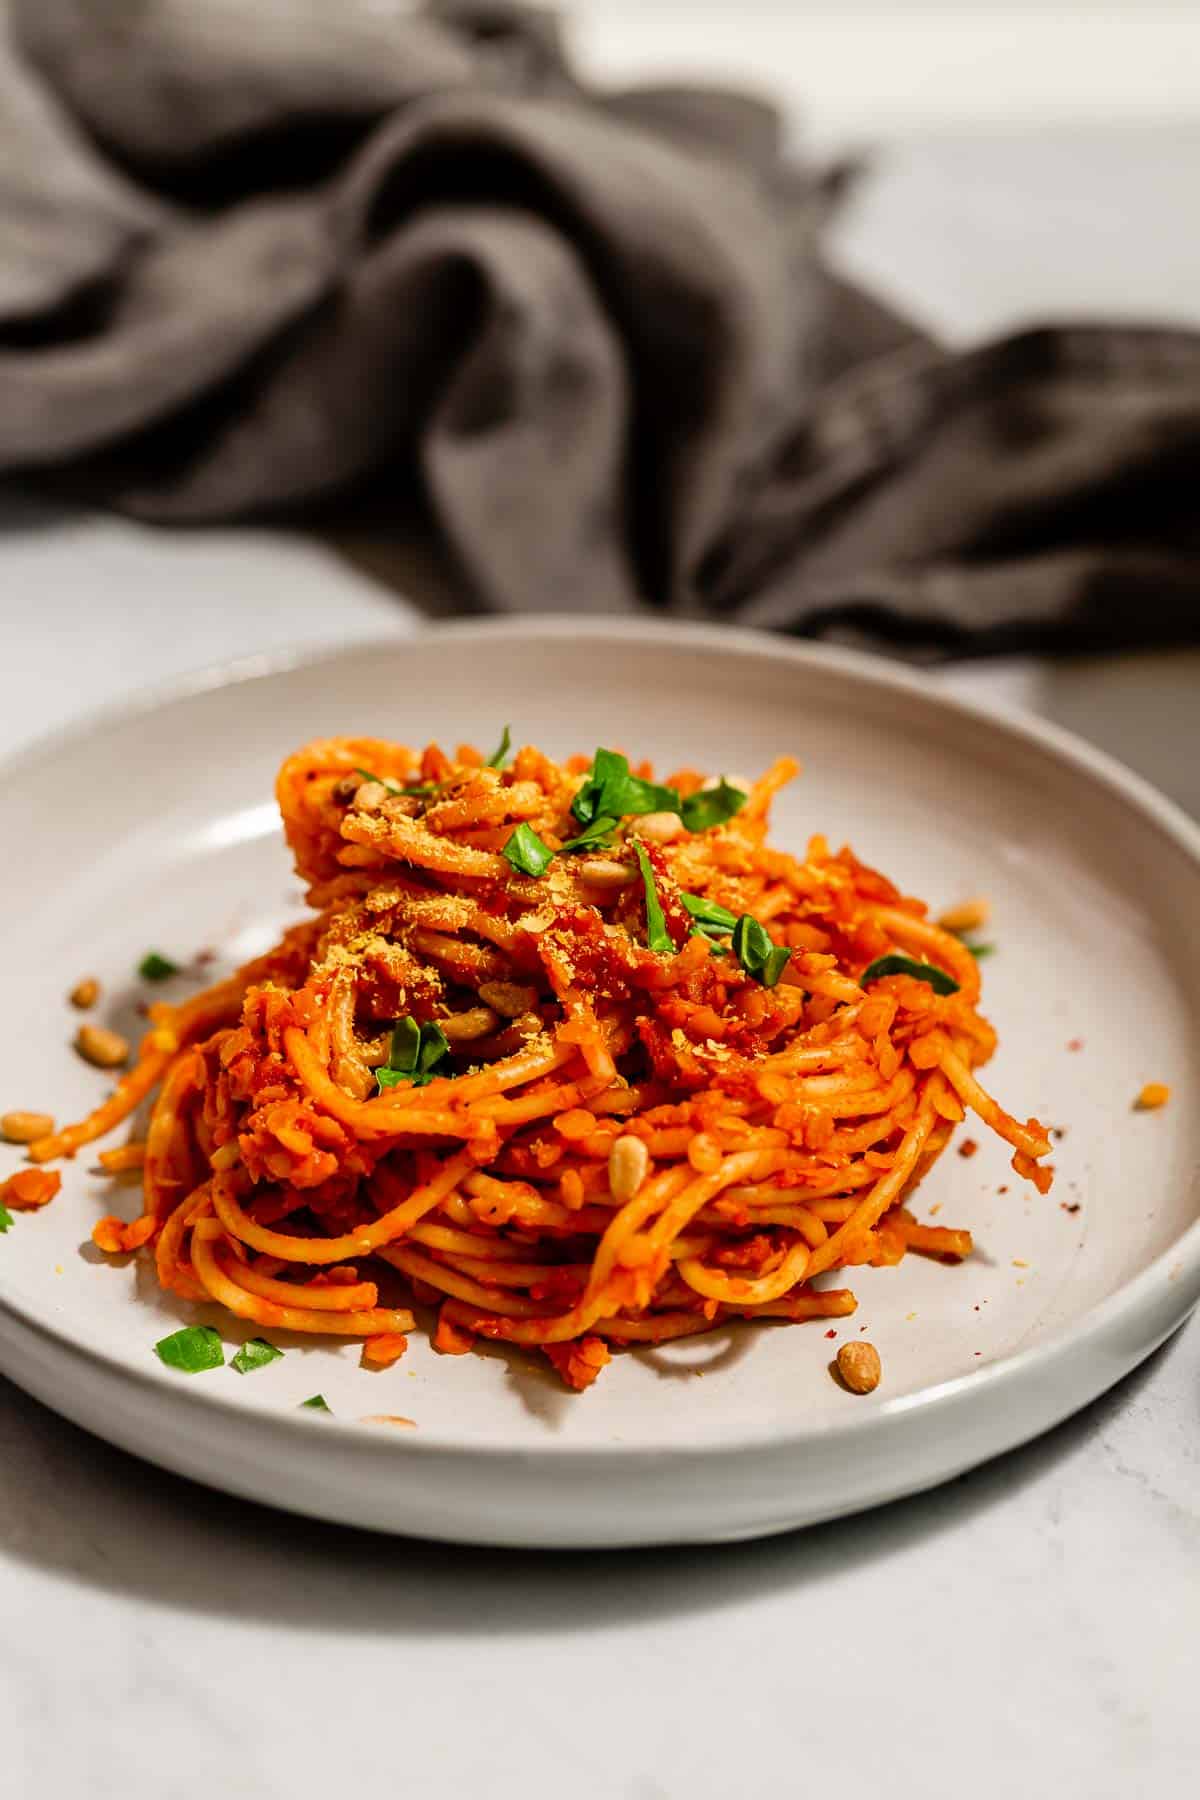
526, 853
414, 1052
710, 920
192, 1349
979, 951
596, 836
657, 936
5, 1219
370, 775
397, 792
315, 1403
895, 964
155, 967
610, 790
499, 756
712, 806
255, 1353
757, 951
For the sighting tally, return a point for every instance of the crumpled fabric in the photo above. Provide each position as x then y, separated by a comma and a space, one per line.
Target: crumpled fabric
260, 259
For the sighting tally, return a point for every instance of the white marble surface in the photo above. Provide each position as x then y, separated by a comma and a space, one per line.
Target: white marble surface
1033, 1622
1031, 1626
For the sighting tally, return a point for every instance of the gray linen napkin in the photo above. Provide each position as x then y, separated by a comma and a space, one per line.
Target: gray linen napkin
258, 257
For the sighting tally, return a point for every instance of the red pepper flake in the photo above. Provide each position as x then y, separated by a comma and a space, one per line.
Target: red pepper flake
1059, 1132
831, 1334
204, 957
1002, 1190
1075, 1044
1072, 1208
979, 1353
968, 1147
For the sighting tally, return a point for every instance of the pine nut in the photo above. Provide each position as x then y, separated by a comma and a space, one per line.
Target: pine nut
508, 998
859, 1366
106, 1049
628, 1161
465, 1027
85, 993
25, 1127
603, 872
370, 797
968, 915
660, 827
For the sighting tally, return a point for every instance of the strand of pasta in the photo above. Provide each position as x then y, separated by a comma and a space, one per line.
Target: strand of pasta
738, 1290
359, 1242
218, 1277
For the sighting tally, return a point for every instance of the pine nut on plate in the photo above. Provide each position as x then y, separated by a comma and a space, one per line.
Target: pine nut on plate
859, 1366
97, 1044
25, 1127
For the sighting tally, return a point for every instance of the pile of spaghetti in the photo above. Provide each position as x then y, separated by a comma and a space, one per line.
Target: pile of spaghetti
574, 1057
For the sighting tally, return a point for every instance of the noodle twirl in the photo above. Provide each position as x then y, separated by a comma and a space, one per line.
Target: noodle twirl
577, 1058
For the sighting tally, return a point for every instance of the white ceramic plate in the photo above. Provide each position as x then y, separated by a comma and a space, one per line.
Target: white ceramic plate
154, 827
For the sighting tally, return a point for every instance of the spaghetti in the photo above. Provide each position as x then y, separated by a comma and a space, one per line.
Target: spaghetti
577, 1059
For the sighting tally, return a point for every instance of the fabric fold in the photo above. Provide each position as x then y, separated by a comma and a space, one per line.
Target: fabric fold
258, 260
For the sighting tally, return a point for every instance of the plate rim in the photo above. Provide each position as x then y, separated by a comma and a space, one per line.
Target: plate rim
1178, 1264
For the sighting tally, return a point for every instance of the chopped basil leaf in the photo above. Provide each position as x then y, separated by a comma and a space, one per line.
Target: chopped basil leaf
757, 951
711, 920
417, 787
154, 967
712, 806
192, 1349
434, 1045
606, 769
610, 789
405, 1046
979, 951
526, 853
415, 1051
596, 836
775, 964
499, 756
657, 936
895, 964
315, 1403
255, 1353
5, 1219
